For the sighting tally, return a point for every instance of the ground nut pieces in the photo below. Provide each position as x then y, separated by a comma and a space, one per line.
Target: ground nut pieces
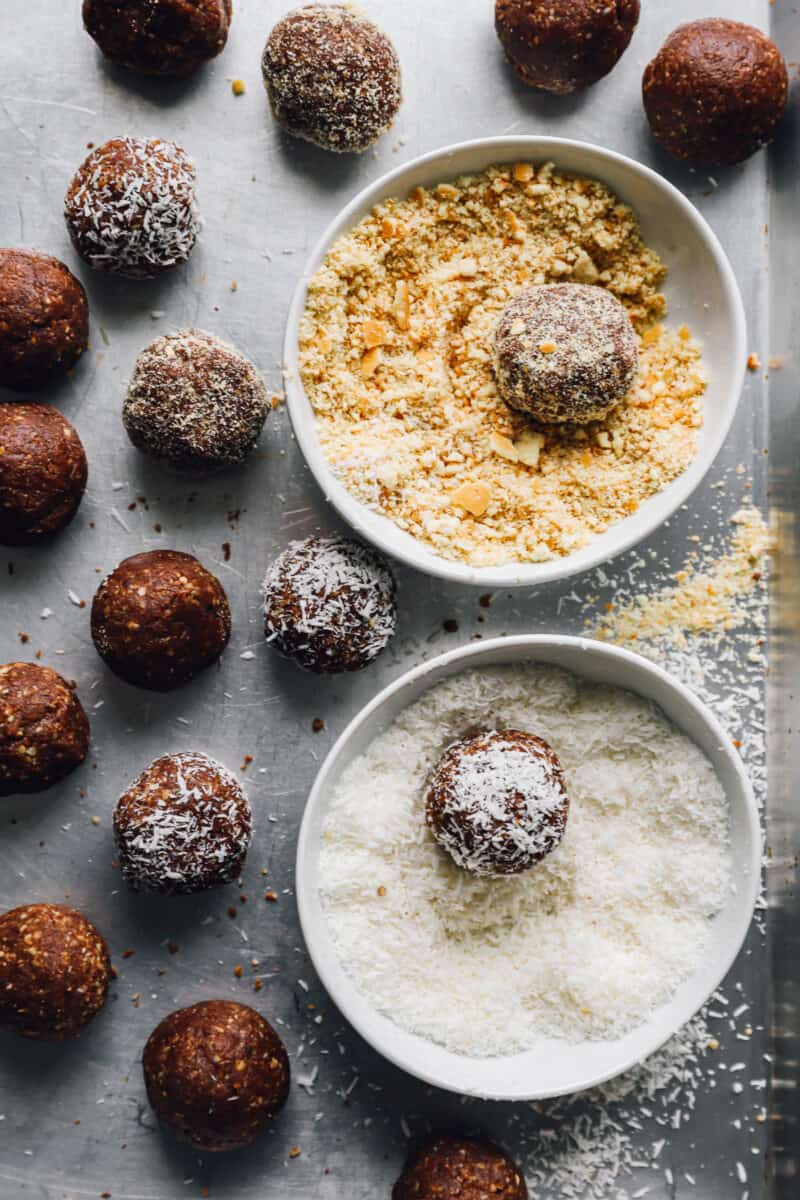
411, 423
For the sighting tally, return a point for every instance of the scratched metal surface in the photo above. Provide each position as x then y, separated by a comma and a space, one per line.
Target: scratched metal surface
265, 200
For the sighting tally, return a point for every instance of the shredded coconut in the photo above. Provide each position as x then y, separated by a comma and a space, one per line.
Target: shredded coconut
585, 945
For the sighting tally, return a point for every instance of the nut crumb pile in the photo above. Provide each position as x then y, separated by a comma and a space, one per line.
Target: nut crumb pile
395, 356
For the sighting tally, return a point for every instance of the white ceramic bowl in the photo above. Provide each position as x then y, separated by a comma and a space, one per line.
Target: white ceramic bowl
551, 1067
701, 291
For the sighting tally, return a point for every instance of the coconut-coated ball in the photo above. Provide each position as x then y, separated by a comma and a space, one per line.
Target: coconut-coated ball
497, 802
131, 208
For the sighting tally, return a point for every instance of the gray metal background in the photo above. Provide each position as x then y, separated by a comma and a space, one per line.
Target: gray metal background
265, 200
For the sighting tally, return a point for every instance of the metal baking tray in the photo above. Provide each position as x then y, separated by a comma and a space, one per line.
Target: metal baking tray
75, 1122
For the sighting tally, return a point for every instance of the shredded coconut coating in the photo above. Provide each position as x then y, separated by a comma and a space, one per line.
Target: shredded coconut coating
183, 826
131, 208
195, 401
565, 352
332, 77
585, 946
395, 357
329, 604
497, 802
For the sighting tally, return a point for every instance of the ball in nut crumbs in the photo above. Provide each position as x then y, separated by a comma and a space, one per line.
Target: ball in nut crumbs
329, 604
131, 207
445, 1167
195, 402
165, 37
42, 473
44, 733
216, 1073
497, 802
182, 826
565, 352
54, 971
44, 319
332, 77
561, 48
715, 92
159, 619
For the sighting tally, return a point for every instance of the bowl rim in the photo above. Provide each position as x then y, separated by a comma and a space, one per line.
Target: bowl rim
314, 930
514, 574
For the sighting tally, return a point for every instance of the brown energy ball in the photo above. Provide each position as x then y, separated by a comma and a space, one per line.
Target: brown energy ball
216, 1073
131, 208
332, 77
195, 402
44, 733
159, 37
715, 92
497, 802
565, 352
44, 319
563, 47
182, 826
459, 1168
42, 472
329, 604
54, 971
159, 619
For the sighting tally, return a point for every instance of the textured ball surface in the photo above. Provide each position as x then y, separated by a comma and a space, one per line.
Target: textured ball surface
159, 37
445, 1167
562, 47
44, 319
329, 604
565, 352
497, 802
216, 1073
44, 732
54, 971
715, 92
159, 619
195, 402
182, 826
131, 208
332, 77
43, 473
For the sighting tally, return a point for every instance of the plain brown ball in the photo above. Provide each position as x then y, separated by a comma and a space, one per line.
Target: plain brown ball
159, 37
44, 732
216, 1074
159, 619
54, 971
43, 473
716, 92
563, 47
445, 1167
44, 320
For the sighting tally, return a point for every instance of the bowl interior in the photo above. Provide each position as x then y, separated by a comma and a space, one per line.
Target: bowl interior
701, 292
552, 1067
